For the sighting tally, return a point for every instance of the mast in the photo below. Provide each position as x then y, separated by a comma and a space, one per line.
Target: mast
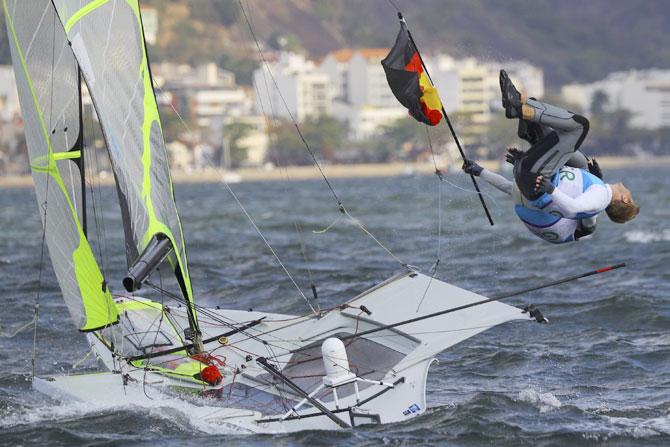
79, 146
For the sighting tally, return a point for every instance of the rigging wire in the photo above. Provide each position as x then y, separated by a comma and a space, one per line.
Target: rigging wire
147, 364
94, 170
439, 175
266, 66
251, 220
220, 319
36, 314
267, 243
103, 236
271, 123
340, 205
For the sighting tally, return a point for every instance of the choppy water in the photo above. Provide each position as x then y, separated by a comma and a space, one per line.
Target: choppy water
599, 374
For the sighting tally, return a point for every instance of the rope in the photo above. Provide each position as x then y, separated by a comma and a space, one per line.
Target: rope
325, 230
366, 231
24, 326
76, 364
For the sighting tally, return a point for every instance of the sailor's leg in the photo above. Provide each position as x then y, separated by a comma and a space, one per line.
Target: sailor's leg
578, 160
531, 131
546, 157
553, 150
555, 117
538, 161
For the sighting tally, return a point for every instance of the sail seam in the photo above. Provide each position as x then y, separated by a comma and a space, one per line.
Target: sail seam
82, 12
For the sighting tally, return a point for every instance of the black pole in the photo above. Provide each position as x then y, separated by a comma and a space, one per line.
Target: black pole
488, 300
81, 161
186, 347
561, 281
446, 118
269, 368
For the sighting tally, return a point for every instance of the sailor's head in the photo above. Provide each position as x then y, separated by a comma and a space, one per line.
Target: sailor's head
622, 208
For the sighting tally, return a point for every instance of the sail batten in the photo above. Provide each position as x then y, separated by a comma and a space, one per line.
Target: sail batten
48, 86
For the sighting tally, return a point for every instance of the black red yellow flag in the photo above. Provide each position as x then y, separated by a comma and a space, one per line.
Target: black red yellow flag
409, 82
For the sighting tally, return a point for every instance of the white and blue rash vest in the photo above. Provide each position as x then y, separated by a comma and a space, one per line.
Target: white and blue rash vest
555, 217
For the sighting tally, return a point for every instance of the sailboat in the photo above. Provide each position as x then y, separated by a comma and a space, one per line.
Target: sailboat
363, 362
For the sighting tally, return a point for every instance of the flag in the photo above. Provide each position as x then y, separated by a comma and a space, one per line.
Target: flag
409, 82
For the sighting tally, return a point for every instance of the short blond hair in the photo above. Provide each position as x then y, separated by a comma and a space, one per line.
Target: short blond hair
621, 212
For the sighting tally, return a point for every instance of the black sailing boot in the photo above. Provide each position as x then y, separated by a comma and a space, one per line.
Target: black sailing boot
511, 98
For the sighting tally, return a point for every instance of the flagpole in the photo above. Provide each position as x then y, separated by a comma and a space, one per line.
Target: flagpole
446, 118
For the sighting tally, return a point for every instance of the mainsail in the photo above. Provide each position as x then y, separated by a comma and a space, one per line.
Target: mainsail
48, 83
107, 40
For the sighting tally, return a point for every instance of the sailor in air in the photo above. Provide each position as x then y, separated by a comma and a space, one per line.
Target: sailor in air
558, 193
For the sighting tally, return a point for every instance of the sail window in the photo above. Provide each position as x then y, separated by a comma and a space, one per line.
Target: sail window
148, 340
146, 330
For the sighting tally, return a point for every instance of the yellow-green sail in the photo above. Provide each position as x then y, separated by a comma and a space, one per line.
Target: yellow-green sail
47, 78
108, 43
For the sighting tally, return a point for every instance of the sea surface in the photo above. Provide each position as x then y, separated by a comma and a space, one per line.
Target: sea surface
598, 374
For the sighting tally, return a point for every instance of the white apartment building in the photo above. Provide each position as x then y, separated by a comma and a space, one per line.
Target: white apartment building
150, 23
206, 94
528, 78
336, 66
363, 98
444, 73
366, 121
209, 104
644, 93
307, 91
357, 76
9, 98
367, 79
256, 140
471, 87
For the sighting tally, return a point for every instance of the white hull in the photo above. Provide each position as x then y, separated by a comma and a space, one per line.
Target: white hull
403, 356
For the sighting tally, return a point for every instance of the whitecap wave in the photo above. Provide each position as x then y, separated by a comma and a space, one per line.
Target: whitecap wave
639, 428
543, 401
646, 237
13, 417
178, 413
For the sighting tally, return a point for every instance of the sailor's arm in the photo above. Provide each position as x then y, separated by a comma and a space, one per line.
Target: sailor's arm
592, 201
586, 227
496, 180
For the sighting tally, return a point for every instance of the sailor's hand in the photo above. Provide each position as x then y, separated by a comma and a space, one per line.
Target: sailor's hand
594, 168
514, 154
543, 184
471, 167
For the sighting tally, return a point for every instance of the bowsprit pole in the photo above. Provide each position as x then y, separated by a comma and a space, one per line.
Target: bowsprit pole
561, 281
530, 309
446, 118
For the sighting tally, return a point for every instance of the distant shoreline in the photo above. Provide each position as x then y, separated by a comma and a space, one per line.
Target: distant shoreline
335, 171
